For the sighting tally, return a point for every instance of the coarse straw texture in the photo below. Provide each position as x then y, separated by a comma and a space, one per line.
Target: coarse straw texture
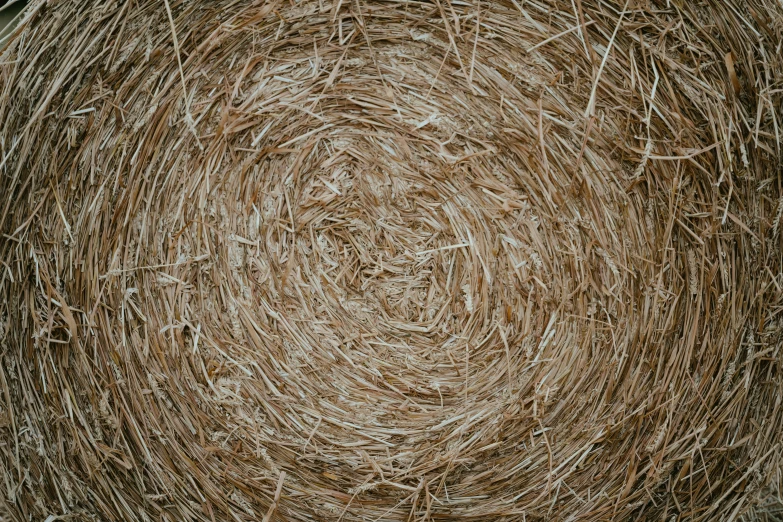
380, 260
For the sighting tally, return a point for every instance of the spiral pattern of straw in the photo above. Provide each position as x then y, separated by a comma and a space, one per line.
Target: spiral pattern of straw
386, 260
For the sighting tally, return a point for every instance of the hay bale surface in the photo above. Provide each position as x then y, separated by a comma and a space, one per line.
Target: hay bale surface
383, 260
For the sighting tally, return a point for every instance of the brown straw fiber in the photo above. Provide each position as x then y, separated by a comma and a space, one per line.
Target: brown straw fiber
383, 260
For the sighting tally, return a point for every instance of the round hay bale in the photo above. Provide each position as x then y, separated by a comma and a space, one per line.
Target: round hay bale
386, 261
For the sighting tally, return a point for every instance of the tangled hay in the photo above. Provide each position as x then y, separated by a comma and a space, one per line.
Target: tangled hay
391, 260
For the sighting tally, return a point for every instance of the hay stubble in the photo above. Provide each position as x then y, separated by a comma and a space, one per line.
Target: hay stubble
391, 260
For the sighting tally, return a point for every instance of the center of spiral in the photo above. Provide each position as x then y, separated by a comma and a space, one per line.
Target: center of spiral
380, 246
388, 261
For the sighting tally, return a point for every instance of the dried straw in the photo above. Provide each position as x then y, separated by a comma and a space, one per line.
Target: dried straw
391, 260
